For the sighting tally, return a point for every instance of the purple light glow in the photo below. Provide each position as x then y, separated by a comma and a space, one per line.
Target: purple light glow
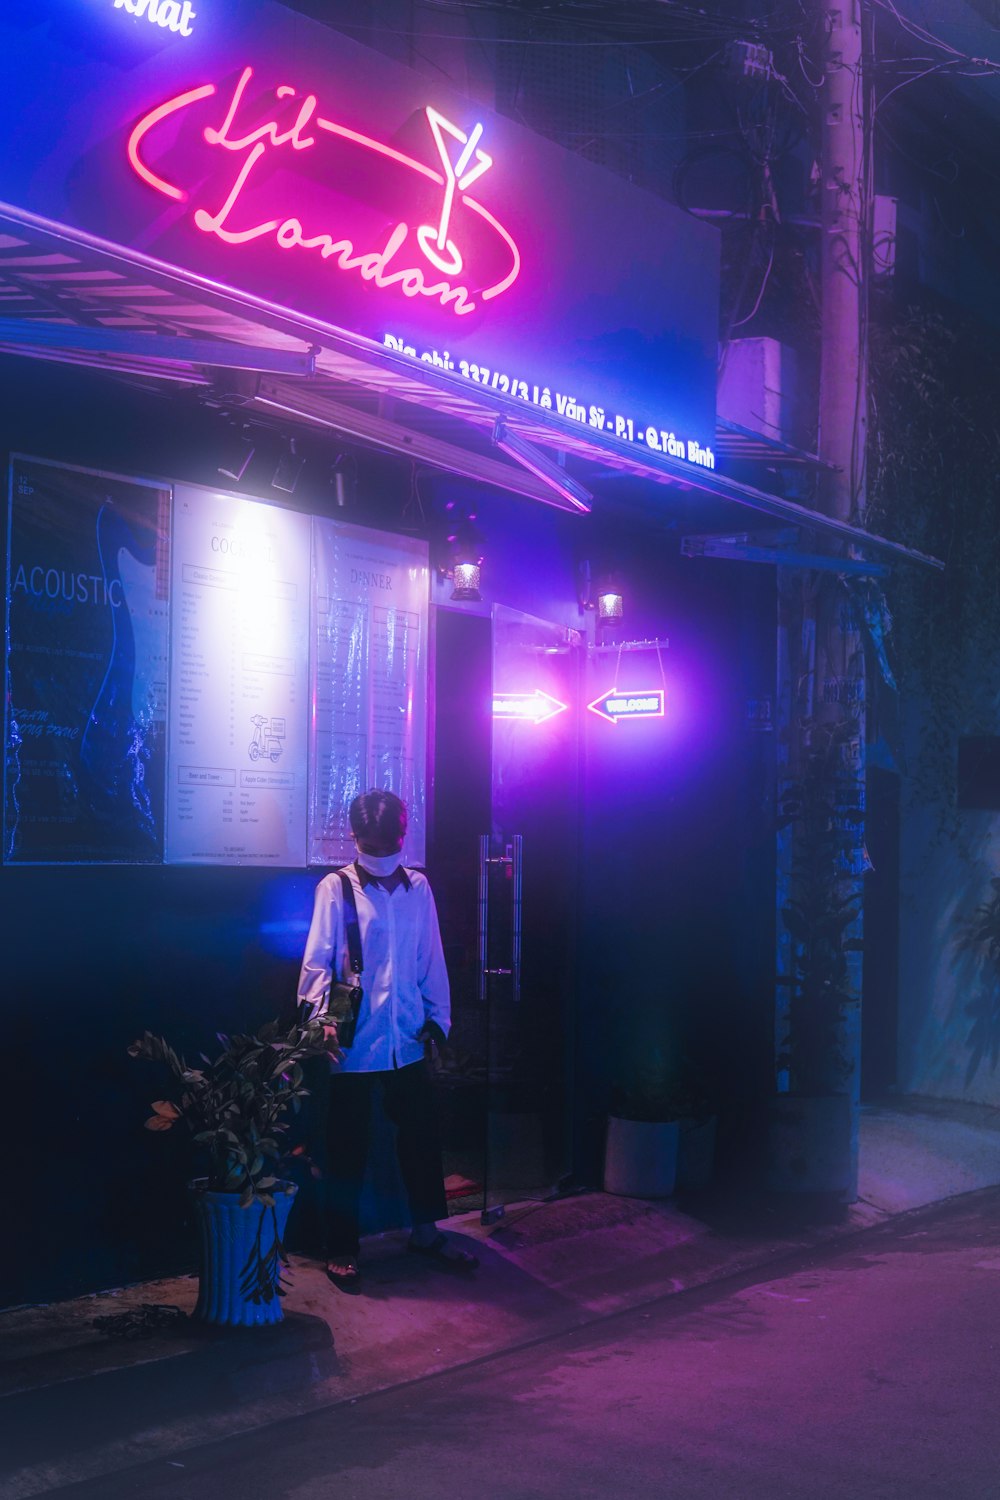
529, 708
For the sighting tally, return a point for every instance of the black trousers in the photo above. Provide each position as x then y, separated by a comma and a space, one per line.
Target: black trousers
409, 1103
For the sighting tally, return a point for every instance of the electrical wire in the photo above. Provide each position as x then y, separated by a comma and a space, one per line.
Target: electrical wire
921, 33
914, 78
763, 288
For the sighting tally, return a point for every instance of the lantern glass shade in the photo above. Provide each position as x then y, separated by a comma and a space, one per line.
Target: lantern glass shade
609, 606
466, 579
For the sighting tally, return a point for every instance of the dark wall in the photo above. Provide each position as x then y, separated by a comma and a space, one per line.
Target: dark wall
93, 955
679, 849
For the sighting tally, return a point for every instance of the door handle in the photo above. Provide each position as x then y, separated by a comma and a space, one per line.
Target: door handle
514, 859
517, 860
484, 912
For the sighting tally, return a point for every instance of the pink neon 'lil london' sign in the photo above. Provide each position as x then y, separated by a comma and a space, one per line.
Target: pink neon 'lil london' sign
424, 261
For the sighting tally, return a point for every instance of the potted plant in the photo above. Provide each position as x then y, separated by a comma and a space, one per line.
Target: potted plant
810, 1124
661, 1131
236, 1109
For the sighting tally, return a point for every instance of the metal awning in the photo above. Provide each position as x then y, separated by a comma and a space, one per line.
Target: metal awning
70, 297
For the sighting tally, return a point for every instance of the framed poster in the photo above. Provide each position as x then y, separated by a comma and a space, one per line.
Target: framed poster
87, 602
239, 675
369, 682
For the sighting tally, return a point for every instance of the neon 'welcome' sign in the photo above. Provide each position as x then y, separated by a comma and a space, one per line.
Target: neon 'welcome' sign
428, 260
617, 706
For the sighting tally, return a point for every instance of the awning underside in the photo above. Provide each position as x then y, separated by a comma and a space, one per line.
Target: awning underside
67, 298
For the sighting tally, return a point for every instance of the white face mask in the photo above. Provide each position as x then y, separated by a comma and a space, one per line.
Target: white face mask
379, 864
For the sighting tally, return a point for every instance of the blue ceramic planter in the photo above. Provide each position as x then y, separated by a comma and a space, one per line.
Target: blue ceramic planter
234, 1241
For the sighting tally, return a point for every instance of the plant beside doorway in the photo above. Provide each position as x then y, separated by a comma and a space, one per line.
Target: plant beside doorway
236, 1108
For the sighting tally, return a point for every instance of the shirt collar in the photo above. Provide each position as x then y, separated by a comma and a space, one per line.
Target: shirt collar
366, 878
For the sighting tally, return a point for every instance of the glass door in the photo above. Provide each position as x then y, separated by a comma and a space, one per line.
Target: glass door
527, 905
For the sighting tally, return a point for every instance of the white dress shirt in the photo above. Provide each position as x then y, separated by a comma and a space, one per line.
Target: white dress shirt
404, 980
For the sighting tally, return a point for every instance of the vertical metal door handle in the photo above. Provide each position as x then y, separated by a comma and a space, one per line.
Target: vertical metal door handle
484, 901
515, 946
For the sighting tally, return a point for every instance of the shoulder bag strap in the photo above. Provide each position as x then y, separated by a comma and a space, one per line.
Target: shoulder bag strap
351, 925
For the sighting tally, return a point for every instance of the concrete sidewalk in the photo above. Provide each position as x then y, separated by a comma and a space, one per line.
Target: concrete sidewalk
76, 1402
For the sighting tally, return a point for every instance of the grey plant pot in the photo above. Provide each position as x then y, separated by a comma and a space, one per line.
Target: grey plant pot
640, 1157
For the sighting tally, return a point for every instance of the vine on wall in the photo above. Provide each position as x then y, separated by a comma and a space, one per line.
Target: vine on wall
934, 483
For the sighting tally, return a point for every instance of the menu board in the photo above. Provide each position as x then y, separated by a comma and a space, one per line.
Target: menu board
87, 591
369, 682
236, 792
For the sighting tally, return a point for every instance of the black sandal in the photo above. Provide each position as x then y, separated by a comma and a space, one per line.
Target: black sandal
349, 1283
438, 1251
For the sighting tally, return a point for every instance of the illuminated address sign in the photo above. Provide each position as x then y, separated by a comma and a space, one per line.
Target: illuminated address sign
616, 706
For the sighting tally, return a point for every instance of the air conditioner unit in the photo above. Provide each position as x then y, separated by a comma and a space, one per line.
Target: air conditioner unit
758, 388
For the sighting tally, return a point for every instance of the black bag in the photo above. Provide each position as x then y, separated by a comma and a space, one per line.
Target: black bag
345, 996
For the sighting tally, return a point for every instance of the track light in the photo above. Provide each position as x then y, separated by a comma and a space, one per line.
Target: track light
237, 452
289, 467
344, 481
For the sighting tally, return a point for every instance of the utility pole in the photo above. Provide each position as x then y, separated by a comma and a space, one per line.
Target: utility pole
843, 415
843, 427
821, 685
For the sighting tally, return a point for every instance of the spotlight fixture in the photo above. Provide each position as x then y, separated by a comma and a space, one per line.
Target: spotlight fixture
237, 452
289, 467
344, 481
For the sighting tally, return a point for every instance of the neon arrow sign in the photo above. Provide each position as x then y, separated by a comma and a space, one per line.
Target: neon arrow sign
528, 708
417, 263
614, 705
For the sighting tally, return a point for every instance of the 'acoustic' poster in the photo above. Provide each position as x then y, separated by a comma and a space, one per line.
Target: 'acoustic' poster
87, 589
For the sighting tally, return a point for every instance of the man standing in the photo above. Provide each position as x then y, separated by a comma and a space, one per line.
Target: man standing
404, 1011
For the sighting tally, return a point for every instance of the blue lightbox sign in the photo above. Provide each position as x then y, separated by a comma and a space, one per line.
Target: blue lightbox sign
272, 155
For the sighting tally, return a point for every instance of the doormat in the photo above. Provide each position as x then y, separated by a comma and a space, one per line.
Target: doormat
569, 1217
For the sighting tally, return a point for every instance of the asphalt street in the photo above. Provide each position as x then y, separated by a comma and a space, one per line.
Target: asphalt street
869, 1371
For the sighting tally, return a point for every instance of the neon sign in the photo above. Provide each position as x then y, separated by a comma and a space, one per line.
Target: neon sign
420, 262
528, 708
615, 706
168, 14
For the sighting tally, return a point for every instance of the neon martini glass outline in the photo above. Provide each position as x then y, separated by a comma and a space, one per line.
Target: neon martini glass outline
434, 242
